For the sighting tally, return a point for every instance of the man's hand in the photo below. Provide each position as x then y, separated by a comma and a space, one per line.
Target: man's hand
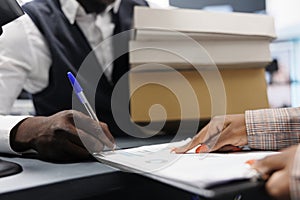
276, 169
65, 136
223, 133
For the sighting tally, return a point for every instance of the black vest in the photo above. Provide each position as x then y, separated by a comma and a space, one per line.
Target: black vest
69, 48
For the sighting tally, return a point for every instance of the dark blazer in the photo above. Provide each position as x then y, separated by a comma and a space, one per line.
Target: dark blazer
70, 51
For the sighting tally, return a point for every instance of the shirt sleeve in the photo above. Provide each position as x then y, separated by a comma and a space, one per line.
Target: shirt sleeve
6, 124
24, 61
273, 129
295, 177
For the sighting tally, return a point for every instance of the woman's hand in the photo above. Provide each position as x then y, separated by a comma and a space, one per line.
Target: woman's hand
276, 169
222, 133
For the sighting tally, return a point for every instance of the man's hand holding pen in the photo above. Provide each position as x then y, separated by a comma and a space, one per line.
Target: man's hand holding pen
222, 133
64, 136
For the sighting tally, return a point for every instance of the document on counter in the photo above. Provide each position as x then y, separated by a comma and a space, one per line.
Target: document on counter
191, 172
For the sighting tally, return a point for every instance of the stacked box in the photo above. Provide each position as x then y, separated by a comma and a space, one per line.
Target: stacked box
198, 64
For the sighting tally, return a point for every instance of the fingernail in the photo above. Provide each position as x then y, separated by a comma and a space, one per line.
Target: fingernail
250, 162
203, 148
114, 147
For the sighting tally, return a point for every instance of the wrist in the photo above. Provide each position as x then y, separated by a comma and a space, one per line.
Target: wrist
19, 140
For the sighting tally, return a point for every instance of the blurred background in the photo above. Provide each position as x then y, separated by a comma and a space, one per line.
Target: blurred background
282, 75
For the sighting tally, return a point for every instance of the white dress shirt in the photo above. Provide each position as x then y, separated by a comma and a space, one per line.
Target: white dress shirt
25, 58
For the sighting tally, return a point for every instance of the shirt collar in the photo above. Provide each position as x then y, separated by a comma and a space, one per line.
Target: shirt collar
72, 9
116, 6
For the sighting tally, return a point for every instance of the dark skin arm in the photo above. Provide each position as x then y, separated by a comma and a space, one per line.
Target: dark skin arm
62, 137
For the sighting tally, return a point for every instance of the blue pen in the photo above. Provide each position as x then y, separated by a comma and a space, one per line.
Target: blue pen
79, 92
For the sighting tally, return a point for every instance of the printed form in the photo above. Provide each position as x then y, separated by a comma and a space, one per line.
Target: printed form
192, 172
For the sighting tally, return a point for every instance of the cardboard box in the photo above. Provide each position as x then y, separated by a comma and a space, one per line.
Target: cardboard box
182, 53
191, 21
243, 89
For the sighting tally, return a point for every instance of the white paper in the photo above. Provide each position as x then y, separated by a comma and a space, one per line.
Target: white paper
190, 171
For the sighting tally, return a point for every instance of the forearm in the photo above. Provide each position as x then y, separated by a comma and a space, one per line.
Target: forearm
21, 142
273, 129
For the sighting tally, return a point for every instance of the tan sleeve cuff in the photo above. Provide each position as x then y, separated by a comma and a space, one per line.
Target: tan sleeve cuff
273, 129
